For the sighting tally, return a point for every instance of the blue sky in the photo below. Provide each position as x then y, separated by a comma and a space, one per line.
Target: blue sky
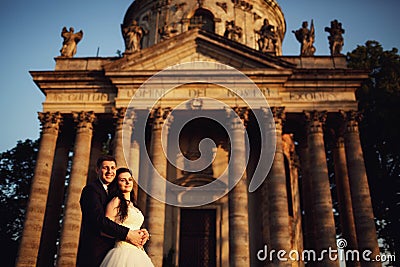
30, 40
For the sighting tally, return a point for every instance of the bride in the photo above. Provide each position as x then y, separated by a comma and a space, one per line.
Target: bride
122, 210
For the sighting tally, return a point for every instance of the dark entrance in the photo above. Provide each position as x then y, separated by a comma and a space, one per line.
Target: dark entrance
197, 244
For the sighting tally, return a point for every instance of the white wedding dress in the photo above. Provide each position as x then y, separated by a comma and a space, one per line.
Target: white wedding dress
125, 254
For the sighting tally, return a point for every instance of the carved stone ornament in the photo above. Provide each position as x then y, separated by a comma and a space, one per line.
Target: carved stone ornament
306, 38
335, 39
71, 40
232, 31
267, 38
133, 35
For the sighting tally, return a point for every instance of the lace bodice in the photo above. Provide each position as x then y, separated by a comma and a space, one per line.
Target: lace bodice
134, 220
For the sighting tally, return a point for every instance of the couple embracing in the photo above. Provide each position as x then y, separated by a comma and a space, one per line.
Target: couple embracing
110, 234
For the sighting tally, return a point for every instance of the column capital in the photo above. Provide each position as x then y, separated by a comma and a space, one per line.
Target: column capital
351, 119
279, 116
50, 122
273, 117
278, 113
238, 120
85, 119
123, 115
339, 142
315, 120
158, 116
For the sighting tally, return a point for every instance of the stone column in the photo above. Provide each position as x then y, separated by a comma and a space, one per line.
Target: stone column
325, 234
51, 226
265, 190
295, 221
277, 194
265, 214
344, 198
29, 247
144, 177
307, 196
70, 232
123, 133
96, 150
156, 209
124, 123
239, 248
360, 194
134, 158
143, 163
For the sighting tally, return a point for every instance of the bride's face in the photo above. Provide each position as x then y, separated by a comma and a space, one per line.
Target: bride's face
125, 182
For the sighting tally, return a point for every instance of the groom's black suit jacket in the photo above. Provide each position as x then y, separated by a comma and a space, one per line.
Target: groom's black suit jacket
92, 245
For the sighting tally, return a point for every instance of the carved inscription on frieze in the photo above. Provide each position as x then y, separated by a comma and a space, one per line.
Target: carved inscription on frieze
79, 97
312, 96
197, 92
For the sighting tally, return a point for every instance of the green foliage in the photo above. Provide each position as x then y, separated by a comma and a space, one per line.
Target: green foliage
379, 100
16, 172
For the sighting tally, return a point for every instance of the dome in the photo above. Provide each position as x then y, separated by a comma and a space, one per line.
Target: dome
259, 24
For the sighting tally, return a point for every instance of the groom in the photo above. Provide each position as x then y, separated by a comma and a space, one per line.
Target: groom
93, 244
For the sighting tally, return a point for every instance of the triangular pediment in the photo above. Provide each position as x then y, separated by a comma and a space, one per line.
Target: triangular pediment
197, 45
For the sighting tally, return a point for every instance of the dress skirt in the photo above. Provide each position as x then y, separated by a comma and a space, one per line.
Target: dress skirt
126, 255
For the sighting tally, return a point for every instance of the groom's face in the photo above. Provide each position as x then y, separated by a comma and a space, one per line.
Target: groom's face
107, 171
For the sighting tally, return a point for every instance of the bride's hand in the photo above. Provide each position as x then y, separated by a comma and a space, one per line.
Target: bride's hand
145, 237
135, 237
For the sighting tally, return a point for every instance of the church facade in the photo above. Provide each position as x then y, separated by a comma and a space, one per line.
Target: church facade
207, 70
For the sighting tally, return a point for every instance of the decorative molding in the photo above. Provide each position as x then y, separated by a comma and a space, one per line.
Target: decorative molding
50, 121
351, 118
158, 116
85, 119
316, 120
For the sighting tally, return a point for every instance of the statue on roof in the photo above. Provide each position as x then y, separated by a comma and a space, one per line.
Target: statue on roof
336, 40
167, 31
70, 42
133, 35
267, 40
232, 31
306, 38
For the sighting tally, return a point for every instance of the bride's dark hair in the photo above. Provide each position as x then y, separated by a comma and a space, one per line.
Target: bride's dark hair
114, 191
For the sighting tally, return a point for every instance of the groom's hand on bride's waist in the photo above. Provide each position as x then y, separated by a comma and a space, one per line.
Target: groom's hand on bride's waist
145, 237
135, 237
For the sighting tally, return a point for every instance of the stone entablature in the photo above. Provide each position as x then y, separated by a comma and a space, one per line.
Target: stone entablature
94, 86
